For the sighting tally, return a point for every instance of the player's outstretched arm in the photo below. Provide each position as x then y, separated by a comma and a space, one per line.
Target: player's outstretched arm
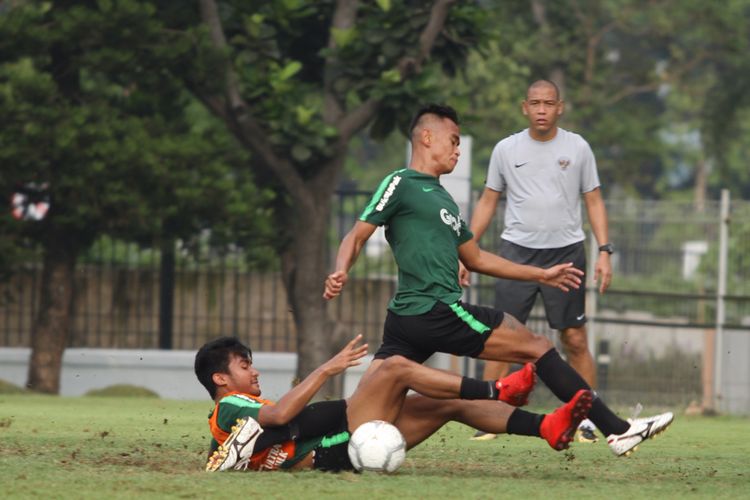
346, 256
480, 218
562, 276
292, 403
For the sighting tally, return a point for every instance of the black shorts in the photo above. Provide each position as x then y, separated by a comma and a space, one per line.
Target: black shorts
332, 454
563, 309
460, 329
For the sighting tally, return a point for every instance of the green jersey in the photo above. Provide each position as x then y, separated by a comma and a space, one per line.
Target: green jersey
238, 405
424, 229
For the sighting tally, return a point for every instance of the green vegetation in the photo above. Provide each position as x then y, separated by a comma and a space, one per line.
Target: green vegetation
124, 448
123, 390
8, 388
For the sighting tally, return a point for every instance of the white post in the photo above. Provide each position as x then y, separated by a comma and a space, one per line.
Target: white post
721, 291
591, 296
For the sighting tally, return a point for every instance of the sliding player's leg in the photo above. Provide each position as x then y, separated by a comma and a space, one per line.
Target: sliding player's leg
421, 417
380, 394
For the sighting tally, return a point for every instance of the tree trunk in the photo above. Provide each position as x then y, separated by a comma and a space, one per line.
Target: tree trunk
304, 267
52, 324
315, 342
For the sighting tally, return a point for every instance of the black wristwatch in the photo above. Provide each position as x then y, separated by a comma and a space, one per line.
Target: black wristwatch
607, 247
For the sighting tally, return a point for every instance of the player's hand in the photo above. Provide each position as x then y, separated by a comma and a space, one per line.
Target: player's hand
563, 276
334, 284
603, 271
348, 356
464, 276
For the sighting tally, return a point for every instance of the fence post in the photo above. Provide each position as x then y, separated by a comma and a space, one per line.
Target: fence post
721, 291
166, 293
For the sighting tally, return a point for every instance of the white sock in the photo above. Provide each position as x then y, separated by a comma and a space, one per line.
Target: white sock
587, 423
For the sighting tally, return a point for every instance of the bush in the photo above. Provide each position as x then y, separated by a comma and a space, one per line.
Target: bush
123, 390
8, 388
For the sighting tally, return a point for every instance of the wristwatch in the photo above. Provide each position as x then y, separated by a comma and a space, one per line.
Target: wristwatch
607, 247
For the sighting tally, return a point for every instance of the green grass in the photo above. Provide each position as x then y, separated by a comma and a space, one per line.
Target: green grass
111, 447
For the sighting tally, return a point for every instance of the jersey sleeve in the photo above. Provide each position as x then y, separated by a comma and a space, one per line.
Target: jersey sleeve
495, 178
589, 174
385, 202
233, 407
465, 234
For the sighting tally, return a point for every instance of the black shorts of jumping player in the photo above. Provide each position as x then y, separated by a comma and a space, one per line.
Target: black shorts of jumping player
563, 309
458, 328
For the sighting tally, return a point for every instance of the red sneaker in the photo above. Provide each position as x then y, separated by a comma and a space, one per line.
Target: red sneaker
516, 387
559, 427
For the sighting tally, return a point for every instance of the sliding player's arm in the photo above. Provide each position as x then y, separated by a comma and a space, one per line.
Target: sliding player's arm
294, 401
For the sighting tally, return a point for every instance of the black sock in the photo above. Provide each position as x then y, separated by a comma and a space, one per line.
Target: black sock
472, 388
524, 423
564, 382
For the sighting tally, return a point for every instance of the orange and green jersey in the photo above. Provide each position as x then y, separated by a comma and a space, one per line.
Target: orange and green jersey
240, 405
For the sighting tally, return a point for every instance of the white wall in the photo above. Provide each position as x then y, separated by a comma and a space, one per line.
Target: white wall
168, 373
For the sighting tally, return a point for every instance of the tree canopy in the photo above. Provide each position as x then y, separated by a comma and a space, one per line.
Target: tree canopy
151, 120
119, 144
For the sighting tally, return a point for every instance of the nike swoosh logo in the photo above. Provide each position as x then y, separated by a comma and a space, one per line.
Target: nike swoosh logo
642, 434
427, 190
521, 164
579, 318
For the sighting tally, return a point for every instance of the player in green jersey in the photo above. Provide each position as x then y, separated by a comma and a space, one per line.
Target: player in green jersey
428, 237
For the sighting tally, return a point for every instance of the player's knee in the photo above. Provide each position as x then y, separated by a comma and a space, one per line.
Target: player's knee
396, 365
536, 347
542, 344
575, 342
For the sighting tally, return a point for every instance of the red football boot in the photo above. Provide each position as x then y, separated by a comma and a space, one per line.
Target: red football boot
516, 387
559, 427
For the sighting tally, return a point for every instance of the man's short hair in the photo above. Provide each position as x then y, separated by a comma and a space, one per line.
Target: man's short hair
440, 110
544, 83
214, 357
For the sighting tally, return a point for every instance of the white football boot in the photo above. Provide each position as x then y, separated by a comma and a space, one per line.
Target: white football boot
235, 452
640, 430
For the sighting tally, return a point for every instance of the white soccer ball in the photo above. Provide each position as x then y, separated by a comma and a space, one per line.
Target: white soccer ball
377, 446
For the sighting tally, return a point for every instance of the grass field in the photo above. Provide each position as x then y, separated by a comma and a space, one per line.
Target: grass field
119, 447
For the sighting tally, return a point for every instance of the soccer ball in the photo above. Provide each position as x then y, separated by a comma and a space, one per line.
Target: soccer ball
377, 446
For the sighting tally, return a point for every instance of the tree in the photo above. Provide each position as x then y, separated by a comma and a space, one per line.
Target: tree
88, 111
301, 79
635, 77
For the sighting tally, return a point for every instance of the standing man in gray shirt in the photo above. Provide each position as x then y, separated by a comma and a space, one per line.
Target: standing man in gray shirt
543, 171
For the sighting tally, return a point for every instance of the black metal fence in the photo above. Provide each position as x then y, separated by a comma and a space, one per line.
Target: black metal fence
666, 281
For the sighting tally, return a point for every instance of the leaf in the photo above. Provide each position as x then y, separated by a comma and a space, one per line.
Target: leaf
304, 114
391, 76
290, 70
105, 5
343, 37
385, 5
292, 4
300, 153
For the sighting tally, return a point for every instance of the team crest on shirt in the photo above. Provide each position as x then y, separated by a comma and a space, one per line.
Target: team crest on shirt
564, 162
